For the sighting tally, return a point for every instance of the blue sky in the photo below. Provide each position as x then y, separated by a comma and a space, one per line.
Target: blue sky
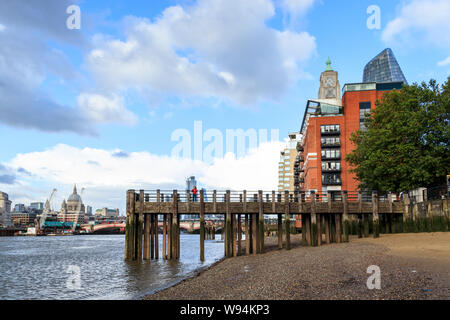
137, 71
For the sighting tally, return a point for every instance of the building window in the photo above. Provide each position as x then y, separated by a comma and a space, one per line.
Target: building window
331, 141
364, 112
330, 129
331, 166
331, 154
331, 179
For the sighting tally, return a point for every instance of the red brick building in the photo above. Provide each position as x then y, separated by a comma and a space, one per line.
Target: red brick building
326, 130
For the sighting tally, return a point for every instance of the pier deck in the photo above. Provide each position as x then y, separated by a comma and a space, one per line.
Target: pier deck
244, 213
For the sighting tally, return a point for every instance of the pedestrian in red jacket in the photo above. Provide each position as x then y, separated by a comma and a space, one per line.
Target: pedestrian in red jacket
194, 193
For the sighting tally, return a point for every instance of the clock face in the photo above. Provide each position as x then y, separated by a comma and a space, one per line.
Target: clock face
330, 82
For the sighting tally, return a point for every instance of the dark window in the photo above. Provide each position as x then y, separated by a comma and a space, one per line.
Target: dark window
331, 179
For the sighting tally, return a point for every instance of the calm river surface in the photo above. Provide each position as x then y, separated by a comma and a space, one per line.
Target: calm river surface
40, 267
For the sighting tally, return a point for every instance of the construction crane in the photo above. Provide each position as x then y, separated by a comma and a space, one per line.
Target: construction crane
74, 226
47, 210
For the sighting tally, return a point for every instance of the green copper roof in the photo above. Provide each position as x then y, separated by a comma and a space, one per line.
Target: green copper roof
329, 65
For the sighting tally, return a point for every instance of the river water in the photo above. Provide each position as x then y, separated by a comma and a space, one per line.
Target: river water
48, 267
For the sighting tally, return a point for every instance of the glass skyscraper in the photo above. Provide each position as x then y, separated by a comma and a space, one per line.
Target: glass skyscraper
384, 68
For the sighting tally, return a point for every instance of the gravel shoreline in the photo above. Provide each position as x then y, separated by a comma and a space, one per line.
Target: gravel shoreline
413, 266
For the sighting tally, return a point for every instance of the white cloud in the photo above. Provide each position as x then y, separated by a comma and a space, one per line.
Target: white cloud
27, 60
420, 22
444, 62
103, 109
297, 7
107, 174
215, 48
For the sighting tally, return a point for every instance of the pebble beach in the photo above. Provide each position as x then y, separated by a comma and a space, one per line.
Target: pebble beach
413, 267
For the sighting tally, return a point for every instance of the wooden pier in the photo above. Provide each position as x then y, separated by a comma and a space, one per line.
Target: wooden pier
243, 214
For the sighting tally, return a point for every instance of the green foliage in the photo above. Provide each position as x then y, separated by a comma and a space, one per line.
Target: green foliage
406, 142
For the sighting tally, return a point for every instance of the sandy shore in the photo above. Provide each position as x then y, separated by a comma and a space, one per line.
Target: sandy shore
413, 266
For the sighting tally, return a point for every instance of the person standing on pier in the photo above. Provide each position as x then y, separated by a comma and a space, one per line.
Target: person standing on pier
194, 193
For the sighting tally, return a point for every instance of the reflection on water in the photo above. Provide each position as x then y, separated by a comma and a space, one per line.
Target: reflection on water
37, 267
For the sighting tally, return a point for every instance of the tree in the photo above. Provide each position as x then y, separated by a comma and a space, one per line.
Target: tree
406, 145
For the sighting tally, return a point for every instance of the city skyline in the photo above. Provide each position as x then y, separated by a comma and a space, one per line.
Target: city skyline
70, 116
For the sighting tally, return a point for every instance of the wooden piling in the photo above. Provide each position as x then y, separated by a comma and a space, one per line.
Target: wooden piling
304, 233
329, 217
319, 229
366, 223
130, 231
146, 252
261, 221
233, 235
338, 221
308, 228
375, 217
202, 225
333, 227
247, 234
313, 215
239, 234
345, 217
287, 220
156, 235
147, 237
175, 234
152, 236
228, 232
140, 226
164, 252
280, 231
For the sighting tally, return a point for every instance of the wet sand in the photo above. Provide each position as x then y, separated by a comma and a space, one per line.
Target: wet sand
413, 266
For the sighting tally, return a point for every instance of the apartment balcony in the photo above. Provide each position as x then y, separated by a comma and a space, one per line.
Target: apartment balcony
331, 133
331, 170
331, 158
330, 145
331, 183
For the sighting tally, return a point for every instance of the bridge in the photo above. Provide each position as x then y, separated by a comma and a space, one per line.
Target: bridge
244, 213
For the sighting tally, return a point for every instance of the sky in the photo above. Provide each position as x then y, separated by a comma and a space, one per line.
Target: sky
144, 93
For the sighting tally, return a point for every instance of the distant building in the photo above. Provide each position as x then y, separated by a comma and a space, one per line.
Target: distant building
73, 210
37, 207
5, 210
384, 68
88, 210
23, 218
286, 164
19, 207
105, 212
191, 183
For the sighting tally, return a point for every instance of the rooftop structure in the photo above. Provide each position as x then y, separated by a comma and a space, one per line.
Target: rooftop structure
384, 68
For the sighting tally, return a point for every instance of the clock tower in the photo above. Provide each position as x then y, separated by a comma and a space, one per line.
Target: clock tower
329, 84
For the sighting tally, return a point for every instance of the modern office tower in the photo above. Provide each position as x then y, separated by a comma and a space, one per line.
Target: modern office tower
37, 206
383, 68
326, 129
5, 210
19, 207
286, 165
191, 183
